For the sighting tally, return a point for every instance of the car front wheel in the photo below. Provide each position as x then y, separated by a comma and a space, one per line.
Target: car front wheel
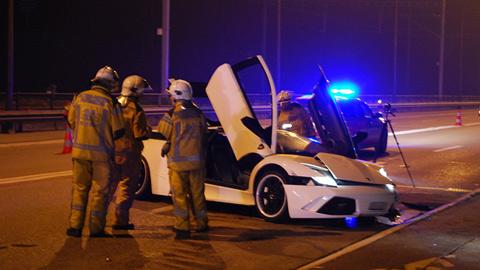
143, 189
270, 197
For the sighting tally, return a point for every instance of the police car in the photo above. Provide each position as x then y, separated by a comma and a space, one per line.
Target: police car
284, 175
360, 118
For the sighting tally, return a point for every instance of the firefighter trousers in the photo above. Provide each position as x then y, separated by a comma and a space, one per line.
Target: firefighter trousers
188, 194
95, 176
127, 176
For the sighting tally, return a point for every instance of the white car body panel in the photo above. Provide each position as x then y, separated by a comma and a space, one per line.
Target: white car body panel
230, 106
305, 201
161, 186
353, 170
157, 166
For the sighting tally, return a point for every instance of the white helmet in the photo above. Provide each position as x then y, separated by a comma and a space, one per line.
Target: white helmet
107, 77
180, 89
134, 86
284, 96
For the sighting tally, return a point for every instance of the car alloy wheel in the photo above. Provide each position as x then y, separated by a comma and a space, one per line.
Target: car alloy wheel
143, 190
270, 197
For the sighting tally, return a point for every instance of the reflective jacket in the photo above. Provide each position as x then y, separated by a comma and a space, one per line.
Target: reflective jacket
96, 119
293, 118
185, 129
136, 127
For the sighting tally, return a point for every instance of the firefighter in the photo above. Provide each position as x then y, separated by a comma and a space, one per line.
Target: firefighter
293, 117
128, 149
96, 119
185, 128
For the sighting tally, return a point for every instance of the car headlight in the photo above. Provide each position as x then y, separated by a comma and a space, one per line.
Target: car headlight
390, 187
325, 178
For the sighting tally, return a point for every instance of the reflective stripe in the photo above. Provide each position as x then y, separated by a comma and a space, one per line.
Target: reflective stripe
167, 119
99, 148
78, 207
185, 158
96, 100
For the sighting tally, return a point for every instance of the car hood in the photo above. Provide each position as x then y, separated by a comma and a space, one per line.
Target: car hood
347, 169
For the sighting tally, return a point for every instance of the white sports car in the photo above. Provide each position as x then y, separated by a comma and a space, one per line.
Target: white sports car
252, 162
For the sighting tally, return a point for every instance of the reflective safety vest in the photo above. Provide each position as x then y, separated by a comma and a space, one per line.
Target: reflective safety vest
296, 120
96, 119
136, 128
185, 129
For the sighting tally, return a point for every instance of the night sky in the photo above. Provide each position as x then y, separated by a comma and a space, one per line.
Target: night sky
65, 42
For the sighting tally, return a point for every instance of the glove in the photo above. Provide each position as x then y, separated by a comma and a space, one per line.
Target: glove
165, 149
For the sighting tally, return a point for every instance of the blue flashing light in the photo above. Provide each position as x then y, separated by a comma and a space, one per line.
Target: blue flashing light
343, 90
351, 222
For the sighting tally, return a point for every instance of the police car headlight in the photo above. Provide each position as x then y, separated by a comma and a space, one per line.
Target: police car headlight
390, 187
383, 172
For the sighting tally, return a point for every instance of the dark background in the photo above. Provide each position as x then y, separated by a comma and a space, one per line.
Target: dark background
64, 42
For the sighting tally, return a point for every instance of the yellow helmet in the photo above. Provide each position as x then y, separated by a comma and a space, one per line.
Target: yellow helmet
284, 96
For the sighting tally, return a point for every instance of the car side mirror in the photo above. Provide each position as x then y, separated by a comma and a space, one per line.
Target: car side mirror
378, 115
359, 136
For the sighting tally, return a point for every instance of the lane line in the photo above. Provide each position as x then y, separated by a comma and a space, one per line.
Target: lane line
4, 145
448, 148
382, 234
460, 190
413, 131
34, 177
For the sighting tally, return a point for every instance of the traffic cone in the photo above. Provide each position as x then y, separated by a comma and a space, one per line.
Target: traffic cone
67, 141
458, 121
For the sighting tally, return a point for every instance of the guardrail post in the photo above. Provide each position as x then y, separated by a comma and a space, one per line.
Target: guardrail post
50, 100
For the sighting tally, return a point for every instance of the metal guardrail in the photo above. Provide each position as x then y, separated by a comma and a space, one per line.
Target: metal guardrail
53, 101
41, 107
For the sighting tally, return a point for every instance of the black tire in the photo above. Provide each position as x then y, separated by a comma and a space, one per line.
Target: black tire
381, 148
270, 196
143, 189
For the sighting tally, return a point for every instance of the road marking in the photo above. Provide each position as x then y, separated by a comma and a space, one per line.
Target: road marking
448, 148
460, 190
412, 131
430, 263
34, 177
382, 234
3, 145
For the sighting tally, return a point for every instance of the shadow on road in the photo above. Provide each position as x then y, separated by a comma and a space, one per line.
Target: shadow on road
98, 253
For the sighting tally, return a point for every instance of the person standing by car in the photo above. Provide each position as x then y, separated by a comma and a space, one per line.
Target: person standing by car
184, 128
292, 116
128, 149
96, 119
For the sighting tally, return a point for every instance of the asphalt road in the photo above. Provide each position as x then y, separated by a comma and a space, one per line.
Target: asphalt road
35, 187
